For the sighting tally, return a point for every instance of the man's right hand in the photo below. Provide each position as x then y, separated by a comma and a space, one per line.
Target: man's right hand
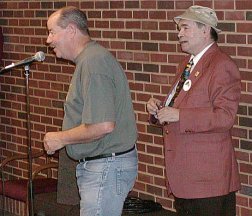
153, 106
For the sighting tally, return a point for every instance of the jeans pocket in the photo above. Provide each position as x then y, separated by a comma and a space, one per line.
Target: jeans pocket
90, 168
125, 179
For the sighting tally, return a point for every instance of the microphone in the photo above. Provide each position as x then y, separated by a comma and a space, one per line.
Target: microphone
39, 56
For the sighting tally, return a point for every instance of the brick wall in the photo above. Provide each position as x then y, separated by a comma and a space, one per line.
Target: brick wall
142, 35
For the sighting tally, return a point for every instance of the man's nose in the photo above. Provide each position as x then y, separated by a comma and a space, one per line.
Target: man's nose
48, 40
180, 34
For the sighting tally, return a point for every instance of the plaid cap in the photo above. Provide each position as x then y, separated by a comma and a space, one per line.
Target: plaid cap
200, 14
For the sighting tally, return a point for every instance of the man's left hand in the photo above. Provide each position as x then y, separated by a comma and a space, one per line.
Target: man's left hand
167, 115
52, 142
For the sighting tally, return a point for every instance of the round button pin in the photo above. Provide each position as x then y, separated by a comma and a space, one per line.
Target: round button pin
187, 85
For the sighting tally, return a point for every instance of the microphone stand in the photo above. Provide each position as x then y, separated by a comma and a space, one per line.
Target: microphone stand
30, 186
40, 56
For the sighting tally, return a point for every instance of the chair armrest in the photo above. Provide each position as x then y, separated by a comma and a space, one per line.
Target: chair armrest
20, 157
44, 167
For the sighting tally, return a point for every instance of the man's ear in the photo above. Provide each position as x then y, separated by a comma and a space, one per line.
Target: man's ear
71, 29
206, 29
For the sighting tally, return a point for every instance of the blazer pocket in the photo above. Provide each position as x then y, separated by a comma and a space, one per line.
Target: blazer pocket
207, 142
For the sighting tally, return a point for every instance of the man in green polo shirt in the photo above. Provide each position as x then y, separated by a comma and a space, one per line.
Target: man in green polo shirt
99, 129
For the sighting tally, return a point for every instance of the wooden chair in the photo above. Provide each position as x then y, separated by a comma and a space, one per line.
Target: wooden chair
18, 189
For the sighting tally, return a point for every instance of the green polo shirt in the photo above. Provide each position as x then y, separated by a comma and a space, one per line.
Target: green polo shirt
99, 92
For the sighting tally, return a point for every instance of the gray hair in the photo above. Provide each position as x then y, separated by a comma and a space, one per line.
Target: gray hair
213, 33
75, 16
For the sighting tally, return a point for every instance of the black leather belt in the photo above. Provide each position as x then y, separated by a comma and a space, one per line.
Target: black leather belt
106, 155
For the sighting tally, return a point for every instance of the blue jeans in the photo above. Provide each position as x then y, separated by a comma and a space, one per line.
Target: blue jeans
105, 183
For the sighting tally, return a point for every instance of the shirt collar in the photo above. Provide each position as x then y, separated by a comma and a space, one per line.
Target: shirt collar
198, 56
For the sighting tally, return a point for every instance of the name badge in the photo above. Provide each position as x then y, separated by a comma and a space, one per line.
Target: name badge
187, 85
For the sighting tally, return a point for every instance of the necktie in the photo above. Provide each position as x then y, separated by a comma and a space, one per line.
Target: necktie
184, 76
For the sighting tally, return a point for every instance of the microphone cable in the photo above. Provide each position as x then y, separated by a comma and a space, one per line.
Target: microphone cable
138, 206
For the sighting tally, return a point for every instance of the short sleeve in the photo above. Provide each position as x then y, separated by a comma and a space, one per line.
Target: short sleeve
99, 100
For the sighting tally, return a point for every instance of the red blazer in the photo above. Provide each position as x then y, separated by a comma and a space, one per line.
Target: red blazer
199, 155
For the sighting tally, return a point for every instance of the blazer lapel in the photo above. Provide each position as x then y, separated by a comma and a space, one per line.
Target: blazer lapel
177, 78
194, 77
196, 73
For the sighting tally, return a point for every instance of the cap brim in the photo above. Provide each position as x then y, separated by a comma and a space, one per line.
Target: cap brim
178, 18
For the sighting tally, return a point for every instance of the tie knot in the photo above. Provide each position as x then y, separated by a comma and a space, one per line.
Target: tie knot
190, 63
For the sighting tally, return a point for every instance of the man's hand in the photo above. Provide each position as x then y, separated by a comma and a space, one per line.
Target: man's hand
153, 106
52, 142
167, 115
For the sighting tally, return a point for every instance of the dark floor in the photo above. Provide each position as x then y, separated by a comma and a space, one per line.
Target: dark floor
159, 213
6, 214
46, 205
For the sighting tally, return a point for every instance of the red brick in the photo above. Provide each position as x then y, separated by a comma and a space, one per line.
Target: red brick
142, 167
159, 79
144, 137
87, 4
109, 34
241, 4
154, 150
102, 24
165, 4
133, 24
157, 15
159, 36
237, 39
204, 3
124, 14
160, 181
158, 140
246, 168
133, 46
116, 24
149, 25
243, 27
155, 170
182, 4
234, 15
125, 35
242, 156
146, 158
158, 57
101, 4
149, 4
116, 4
245, 98
140, 14
154, 190
125, 55
132, 4
136, 86
246, 212
152, 88
141, 57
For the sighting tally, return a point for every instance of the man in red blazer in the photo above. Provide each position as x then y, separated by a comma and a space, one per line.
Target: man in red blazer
201, 167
